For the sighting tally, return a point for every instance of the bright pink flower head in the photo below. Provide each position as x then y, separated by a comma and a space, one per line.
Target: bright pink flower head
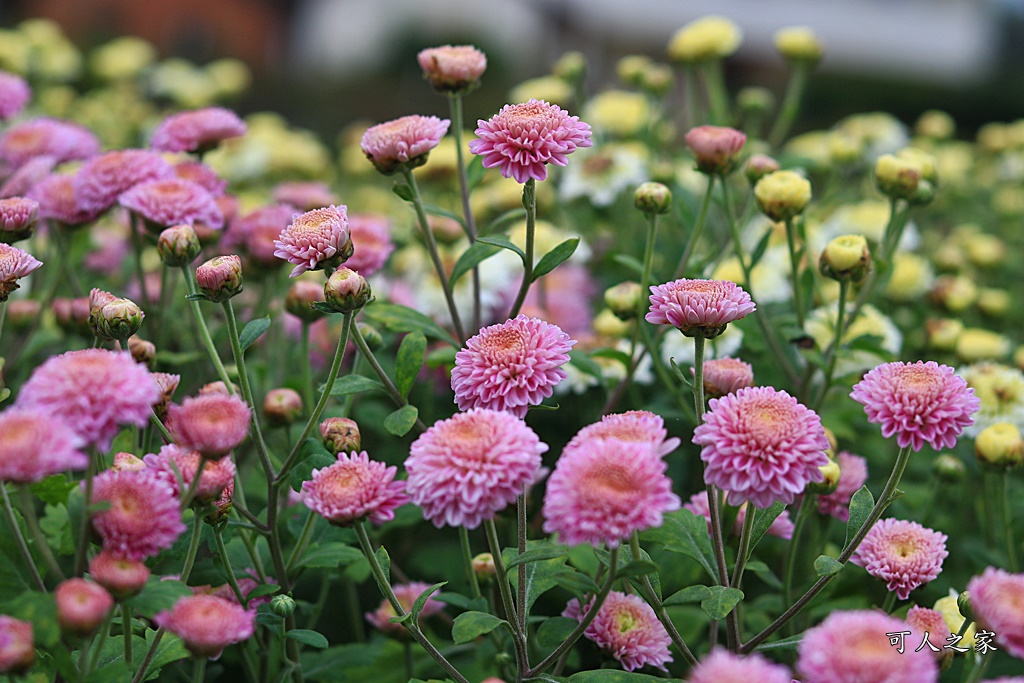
208, 624
173, 201
628, 629
920, 403
62, 140
198, 130
102, 180
904, 554
923, 620
119, 575
17, 645
355, 488
726, 376
58, 201
202, 175
143, 517
14, 265
14, 95
35, 444
511, 366
603, 490
213, 424
997, 600
173, 462
722, 666
637, 426
715, 147
853, 647
256, 233
304, 195
95, 391
452, 68
28, 174
316, 239
18, 217
522, 139
404, 142
81, 605
371, 240
698, 307
406, 594
471, 466
853, 472
761, 445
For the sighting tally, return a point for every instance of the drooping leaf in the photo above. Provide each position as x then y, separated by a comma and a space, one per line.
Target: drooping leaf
308, 637
469, 626
860, 508
409, 360
421, 599
826, 565
504, 243
398, 318
721, 601
444, 213
401, 421
556, 256
252, 331
476, 254
354, 384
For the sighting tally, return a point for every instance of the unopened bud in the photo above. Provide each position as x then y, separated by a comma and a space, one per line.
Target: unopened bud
371, 335
299, 300
897, 177
782, 195
999, 446
81, 606
282, 605
833, 445
73, 315
483, 566
346, 291
168, 384
724, 376
977, 343
624, 299
943, 333
282, 406
23, 313
715, 148
218, 387
755, 100
571, 67
122, 577
653, 198
127, 462
798, 45
220, 278
340, 435
178, 246
949, 468
452, 68
831, 472
116, 319
963, 603
935, 124
607, 324
758, 166
657, 79
630, 69
846, 258
18, 218
143, 351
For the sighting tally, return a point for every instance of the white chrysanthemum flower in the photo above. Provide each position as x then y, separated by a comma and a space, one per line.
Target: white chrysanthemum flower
1001, 391
602, 174
820, 324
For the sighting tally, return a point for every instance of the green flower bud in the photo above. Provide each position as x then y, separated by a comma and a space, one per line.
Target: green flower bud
340, 435
846, 258
949, 468
652, 198
178, 246
346, 291
282, 605
624, 299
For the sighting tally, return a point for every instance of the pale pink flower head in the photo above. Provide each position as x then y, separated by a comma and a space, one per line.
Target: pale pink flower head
603, 490
922, 621
698, 308
511, 366
127, 461
119, 575
35, 444
81, 605
14, 95
725, 376
14, 265
522, 139
467, 468
202, 175
304, 195
355, 488
58, 201
761, 445
172, 201
920, 403
213, 424
18, 217
452, 68
637, 426
143, 517
95, 391
220, 278
402, 143
628, 629
406, 594
62, 140
371, 240
174, 462
208, 624
722, 666
853, 647
199, 130
997, 600
316, 239
100, 182
853, 472
256, 233
28, 174
902, 553
17, 645
716, 148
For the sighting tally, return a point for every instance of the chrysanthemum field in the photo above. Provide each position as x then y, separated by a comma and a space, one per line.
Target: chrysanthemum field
611, 385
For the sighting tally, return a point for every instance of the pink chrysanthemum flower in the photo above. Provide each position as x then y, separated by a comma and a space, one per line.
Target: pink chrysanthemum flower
355, 488
698, 307
81, 605
304, 195
511, 366
761, 445
722, 666
904, 554
452, 68
18, 217
628, 629
603, 490
256, 233
522, 139
28, 174
95, 391
202, 175
173, 201
17, 646
997, 600
14, 94
371, 241
14, 265
102, 180
406, 594
119, 575
58, 201
928, 623
208, 624
316, 239
143, 517
471, 466
853, 647
726, 376
920, 403
639, 426
853, 472
198, 130
404, 142
213, 424
35, 444
62, 140
174, 462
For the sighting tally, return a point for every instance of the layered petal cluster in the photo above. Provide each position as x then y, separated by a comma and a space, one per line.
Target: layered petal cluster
404, 141
213, 424
18, 217
196, 130
371, 241
637, 426
726, 375
14, 265
100, 182
208, 624
698, 307
58, 201
628, 629
997, 600
17, 645
451, 68
355, 488
143, 516
60, 140
922, 621
35, 444
902, 553
173, 201
257, 232
722, 666
202, 175
853, 472
174, 462
315, 238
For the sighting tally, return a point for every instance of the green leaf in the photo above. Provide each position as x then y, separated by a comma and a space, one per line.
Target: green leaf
553, 631
252, 331
790, 643
585, 363
636, 568
721, 601
409, 361
330, 664
477, 253
504, 243
41, 610
308, 637
826, 565
262, 591
553, 258
353, 384
469, 626
538, 554
421, 600
763, 520
158, 596
577, 583
401, 421
403, 191
765, 572
633, 568
686, 533
499, 223
540, 575
54, 489
170, 649
399, 318
196, 297
475, 171
612, 676
689, 594
57, 527
441, 357
329, 555
445, 213
384, 560
762, 245
629, 263
462, 602
312, 456
860, 508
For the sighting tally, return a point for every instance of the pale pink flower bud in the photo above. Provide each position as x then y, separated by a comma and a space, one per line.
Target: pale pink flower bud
81, 606
17, 646
178, 245
119, 575
316, 239
452, 68
14, 265
299, 300
282, 406
18, 217
346, 291
340, 435
208, 624
213, 424
716, 148
220, 278
402, 143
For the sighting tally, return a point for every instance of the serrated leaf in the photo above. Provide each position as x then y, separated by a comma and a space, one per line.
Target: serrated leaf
629, 263
477, 253
721, 601
403, 191
469, 626
252, 331
537, 554
54, 489
308, 637
353, 384
398, 318
860, 509
763, 520
409, 361
312, 456
686, 533
556, 256
504, 243
696, 593
402, 420
827, 565
421, 600
330, 555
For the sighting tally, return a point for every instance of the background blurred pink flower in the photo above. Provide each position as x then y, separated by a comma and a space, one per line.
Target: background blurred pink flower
196, 130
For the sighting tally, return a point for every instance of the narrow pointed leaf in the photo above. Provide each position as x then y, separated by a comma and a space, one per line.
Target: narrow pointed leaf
252, 331
553, 258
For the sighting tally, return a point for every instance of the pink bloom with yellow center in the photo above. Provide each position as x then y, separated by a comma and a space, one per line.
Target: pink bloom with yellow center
119, 575
371, 239
304, 195
18, 216
174, 462
100, 182
14, 94
213, 424
920, 403
355, 488
58, 201
173, 201
143, 517
316, 239
722, 666
257, 232
511, 366
196, 130
603, 490
61, 140
904, 554
202, 175
95, 391
997, 600
17, 646
208, 624
925, 622
761, 445
638, 426
35, 444
726, 376
14, 265
406, 141
467, 468
406, 594
853, 472
81, 605
698, 307
522, 139
628, 629
853, 647
451, 68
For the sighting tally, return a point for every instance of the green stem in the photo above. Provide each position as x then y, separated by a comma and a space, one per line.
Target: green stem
243, 380
83, 527
204, 331
193, 549
698, 228
691, 103
28, 510
744, 548
3, 316
467, 558
521, 529
718, 99
12, 520
137, 248
96, 647
389, 386
832, 353
229, 572
802, 515
790, 105
659, 608
165, 306
530, 204
794, 267
302, 542
307, 374
455, 107
190, 494
155, 421
889, 602
1011, 546
126, 628
978, 670
199, 672
505, 590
